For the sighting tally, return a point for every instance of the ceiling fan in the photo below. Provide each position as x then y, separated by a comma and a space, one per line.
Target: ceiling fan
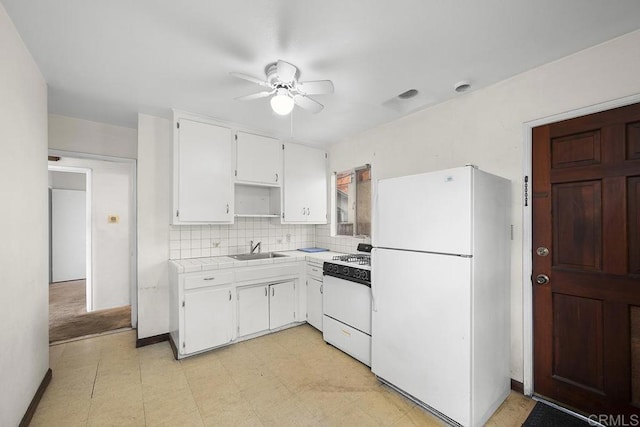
285, 90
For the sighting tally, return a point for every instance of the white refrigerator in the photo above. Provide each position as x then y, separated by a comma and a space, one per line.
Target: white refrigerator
440, 289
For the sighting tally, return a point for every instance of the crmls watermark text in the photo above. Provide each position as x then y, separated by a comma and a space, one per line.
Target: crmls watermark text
615, 420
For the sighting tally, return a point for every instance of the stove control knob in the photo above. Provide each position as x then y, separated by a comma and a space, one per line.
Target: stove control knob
365, 275
357, 274
345, 270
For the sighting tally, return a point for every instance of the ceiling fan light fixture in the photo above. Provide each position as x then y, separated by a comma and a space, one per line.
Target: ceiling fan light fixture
281, 102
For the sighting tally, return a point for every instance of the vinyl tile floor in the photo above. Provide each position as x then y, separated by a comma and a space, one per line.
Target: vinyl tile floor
289, 378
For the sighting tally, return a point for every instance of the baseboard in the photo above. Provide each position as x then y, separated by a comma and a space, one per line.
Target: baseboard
31, 410
173, 348
141, 342
517, 386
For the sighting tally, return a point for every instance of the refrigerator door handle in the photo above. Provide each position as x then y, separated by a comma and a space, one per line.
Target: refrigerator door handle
374, 304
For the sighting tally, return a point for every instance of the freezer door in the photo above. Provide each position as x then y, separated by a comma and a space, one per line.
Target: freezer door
421, 328
428, 212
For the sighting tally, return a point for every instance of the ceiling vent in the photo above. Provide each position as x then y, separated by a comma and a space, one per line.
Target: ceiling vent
408, 94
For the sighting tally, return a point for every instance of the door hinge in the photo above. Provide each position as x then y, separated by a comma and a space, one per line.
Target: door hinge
236, 172
526, 190
177, 213
282, 215
178, 125
236, 135
326, 155
183, 303
283, 146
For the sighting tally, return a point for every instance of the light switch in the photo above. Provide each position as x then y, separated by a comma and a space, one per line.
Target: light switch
113, 219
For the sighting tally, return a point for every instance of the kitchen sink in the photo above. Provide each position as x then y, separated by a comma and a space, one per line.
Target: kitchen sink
263, 255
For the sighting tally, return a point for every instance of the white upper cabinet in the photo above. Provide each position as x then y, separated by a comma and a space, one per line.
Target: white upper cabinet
258, 159
305, 185
203, 175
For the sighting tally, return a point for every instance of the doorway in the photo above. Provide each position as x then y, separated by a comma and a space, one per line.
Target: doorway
103, 298
585, 252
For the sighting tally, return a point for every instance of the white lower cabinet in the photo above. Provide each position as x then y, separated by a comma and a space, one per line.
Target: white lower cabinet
208, 318
212, 308
314, 294
253, 309
264, 307
314, 303
282, 304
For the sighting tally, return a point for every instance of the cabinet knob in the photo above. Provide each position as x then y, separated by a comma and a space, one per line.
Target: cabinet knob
266, 292
276, 177
227, 207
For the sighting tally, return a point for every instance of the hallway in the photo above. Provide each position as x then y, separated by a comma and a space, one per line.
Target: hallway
68, 317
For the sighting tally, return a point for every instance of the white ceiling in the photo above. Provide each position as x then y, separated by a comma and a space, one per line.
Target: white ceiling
108, 60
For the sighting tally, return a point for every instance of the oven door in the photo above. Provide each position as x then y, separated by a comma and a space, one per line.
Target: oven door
347, 302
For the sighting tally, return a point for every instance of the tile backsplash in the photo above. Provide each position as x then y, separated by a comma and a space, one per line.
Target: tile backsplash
323, 239
193, 241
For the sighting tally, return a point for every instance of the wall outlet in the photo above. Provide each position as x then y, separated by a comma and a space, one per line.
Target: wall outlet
113, 219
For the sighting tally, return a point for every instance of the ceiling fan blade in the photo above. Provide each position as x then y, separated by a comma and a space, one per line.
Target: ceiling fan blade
286, 72
250, 79
317, 87
308, 103
255, 96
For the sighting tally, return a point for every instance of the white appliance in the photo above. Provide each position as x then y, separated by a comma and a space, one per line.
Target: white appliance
440, 286
346, 304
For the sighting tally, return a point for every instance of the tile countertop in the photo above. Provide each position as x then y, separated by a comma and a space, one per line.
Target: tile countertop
215, 263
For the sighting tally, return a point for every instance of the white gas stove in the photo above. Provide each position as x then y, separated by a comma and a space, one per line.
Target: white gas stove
347, 303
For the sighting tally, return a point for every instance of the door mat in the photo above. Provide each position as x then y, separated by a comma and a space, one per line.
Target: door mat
544, 415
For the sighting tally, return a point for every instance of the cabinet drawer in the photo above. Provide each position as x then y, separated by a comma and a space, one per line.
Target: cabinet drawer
266, 274
212, 278
315, 271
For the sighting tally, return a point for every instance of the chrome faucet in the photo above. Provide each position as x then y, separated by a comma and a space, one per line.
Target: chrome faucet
257, 246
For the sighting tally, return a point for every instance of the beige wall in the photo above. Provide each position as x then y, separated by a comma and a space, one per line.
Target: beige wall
24, 358
154, 146
485, 128
84, 136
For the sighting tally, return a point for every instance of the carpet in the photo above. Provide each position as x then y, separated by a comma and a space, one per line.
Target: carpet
544, 415
68, 317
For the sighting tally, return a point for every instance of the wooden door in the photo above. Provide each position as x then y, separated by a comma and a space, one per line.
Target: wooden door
586, 196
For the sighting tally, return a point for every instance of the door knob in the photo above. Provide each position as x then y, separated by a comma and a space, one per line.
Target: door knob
542, 279
542, 251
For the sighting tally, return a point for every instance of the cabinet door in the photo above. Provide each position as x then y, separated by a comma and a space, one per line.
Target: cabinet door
208, 319
204, 175
281, 304
314, 303
305, 185
258, 159
253, 310
317, 187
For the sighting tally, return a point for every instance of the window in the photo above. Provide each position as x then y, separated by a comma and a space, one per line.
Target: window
352, 202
